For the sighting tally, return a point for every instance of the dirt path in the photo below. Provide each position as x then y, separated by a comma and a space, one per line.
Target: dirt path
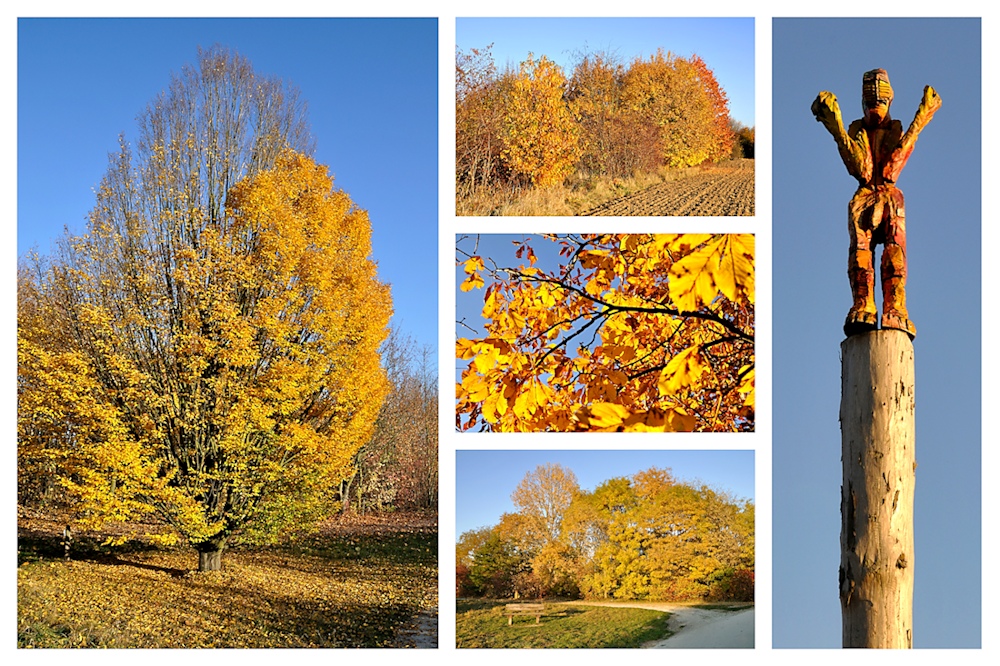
723, 191
696, 627
420, 632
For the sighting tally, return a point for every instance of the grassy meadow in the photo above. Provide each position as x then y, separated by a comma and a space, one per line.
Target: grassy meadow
483, 624
575, 196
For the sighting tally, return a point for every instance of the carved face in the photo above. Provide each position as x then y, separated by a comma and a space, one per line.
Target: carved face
876, 96
876, 112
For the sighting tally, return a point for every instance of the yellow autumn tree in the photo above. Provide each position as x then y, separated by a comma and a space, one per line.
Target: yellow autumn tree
207, 353
671, 541
684, 101
629, 332
615, 139
540, 137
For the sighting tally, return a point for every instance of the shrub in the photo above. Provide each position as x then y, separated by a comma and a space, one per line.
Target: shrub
733, 585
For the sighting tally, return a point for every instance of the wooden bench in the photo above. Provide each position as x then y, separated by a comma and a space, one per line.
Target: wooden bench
525, 609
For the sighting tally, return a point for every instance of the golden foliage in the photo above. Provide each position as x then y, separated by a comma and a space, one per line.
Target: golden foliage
397, 469
632, 332
647, 536
683, 100
539, 135
672, 541
533, 125
543, 496
222, 380
478, 114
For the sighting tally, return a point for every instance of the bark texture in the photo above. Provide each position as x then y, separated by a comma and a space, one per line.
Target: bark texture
878, 454
210, 554
210, 560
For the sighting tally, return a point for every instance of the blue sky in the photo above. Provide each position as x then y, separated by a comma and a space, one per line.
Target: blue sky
725, 44
486, 479
371, 90
811, 189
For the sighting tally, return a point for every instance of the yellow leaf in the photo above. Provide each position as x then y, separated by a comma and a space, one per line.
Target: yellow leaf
692, 279
683, 371
741, 260
747, 387
472, 282
473, 264
475, 387
607, 415
680, 421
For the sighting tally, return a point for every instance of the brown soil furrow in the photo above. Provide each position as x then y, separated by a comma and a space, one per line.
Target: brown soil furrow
725, 191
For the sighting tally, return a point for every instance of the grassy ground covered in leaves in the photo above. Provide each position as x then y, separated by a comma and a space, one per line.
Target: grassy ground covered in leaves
483, 624
350, 585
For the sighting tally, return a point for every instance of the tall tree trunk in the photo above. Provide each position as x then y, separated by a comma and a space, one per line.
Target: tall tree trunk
878, 454
210, 554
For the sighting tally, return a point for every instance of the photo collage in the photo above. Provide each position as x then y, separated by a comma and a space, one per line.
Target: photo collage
247, 248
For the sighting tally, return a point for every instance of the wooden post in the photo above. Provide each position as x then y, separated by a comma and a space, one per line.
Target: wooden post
876, 536
67, 542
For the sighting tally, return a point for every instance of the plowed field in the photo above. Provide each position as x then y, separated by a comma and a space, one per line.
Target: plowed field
723, 191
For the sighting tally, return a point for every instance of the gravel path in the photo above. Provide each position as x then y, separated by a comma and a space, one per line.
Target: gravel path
696, 627
420, 632
710, 629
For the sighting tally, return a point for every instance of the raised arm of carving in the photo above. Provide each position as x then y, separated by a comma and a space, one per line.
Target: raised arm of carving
929, 105
852, 144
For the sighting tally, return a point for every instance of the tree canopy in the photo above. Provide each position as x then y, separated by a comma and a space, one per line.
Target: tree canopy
538, 132
538, 124
628, 332
648, 536
207, 352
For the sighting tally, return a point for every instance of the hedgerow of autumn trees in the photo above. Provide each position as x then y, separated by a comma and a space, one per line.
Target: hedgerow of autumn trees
206, 355
648, 536
536, 125
628, 332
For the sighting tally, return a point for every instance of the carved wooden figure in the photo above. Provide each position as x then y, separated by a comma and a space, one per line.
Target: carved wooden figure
875, 149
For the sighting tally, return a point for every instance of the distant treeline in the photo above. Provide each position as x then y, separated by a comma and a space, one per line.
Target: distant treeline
647, 536
535, 126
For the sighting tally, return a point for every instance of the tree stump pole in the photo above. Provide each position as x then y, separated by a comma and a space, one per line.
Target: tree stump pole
876, 537
67, 542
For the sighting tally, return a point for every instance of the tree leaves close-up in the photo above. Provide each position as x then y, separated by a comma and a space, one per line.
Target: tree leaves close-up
630, 332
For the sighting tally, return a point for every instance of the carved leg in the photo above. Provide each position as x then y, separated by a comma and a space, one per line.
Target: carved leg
863, 316
861, 272
894, 314
893, 275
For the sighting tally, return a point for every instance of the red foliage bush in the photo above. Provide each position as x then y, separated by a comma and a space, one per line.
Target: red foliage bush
463, 586
734, 585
